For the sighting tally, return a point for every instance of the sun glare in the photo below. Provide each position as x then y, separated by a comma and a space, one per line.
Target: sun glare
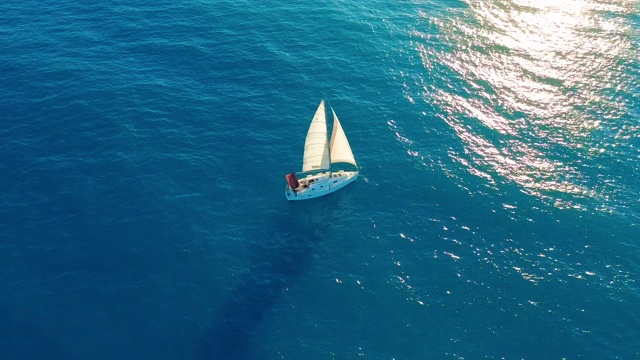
540, 73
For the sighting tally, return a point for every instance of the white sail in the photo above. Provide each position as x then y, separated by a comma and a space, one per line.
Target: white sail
316, 146
320, 155
340, 149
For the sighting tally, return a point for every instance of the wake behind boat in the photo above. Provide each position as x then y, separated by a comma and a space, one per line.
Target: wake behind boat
324, 161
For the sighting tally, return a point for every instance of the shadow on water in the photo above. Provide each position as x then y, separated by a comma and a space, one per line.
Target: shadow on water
284, 248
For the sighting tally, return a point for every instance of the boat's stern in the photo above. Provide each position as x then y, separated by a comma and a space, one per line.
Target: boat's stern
290, 194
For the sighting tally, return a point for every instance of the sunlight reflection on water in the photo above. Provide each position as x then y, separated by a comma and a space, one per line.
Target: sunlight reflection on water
539, 93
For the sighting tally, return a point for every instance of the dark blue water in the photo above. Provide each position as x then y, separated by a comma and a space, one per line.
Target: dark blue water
143, 152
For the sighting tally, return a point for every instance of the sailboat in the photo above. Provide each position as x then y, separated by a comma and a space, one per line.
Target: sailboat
324, 161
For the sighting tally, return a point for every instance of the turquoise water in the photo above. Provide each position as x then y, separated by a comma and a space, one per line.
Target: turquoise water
144, 147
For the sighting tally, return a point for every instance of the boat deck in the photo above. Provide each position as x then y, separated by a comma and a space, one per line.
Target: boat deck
320, 184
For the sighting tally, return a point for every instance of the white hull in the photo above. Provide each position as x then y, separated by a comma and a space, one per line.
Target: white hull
316, 185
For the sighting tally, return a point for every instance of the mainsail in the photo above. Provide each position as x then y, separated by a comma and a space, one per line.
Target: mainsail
340, 149
316, 146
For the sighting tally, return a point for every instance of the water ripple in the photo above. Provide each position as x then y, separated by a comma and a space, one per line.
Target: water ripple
540, 94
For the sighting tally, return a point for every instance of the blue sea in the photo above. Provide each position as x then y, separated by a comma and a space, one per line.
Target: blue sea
143, 153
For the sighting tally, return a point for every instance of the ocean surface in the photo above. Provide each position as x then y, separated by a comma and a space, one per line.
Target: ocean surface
143, 148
